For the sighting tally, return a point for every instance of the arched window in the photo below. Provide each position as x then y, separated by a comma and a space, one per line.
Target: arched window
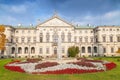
83, 49
47, 37
13, 50
19, 50
41, 37
95, 49
89, 49
69, 37
32, 50
26, 49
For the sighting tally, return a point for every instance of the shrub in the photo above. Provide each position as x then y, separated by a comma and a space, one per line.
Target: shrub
73, 51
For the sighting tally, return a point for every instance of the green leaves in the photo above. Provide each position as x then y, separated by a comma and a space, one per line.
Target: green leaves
73, 51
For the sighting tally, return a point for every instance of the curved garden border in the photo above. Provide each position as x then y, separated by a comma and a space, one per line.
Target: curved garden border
81, 66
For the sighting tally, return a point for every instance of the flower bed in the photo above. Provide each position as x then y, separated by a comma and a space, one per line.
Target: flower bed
68, 71
110, 65
45, 65
87, 64
15, 68
77, 67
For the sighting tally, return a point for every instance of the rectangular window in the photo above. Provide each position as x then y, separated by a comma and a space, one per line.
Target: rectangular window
47, 38
75, 39
47, 50
63, 39
28, 40
80, 39
91, 39
22, 39
104, 50
34, 39
111, 39
86, 39
16, 40
63, 50
112, 50
41, 39
104, 39
118, 39
40, 50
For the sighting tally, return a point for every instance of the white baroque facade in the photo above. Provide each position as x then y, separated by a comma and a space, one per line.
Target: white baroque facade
42, 40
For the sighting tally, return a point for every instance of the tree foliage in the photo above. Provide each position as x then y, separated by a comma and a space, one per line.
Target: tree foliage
73, 51
118, 51
2, 37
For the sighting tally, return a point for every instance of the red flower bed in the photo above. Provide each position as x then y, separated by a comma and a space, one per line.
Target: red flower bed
14, 68
110, 66
87, 64
45, 65
68, 71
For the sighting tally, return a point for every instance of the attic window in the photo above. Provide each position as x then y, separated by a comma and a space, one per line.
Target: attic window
117, 29
28, 31
16, 31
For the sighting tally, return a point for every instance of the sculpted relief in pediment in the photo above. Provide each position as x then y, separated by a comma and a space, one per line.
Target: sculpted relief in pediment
55, 22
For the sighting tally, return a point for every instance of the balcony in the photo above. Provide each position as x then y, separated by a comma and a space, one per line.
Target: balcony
54, 44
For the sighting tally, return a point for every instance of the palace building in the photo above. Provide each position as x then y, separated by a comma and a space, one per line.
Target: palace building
41, 40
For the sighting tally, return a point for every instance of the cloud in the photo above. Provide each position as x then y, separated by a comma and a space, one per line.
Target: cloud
112, 14
8, 20
13, 8
78, 12
108, 18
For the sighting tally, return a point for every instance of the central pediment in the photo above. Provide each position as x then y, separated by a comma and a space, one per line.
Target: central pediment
55, 21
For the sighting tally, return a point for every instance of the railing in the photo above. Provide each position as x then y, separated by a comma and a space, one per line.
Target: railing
54, 44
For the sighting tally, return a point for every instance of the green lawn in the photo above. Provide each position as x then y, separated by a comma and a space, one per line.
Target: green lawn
108, 75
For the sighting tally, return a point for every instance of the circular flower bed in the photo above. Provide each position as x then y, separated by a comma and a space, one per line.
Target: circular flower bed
44, 67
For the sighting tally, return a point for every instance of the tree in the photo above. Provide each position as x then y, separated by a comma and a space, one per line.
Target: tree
2, 37
118, 51
73, 51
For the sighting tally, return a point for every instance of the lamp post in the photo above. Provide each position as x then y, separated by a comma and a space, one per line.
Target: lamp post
16, 51
92, 50
80, 50
29, 51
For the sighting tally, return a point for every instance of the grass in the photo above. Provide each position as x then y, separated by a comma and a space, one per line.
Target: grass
108, 75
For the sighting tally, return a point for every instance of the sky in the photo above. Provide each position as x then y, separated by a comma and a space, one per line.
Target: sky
81, 12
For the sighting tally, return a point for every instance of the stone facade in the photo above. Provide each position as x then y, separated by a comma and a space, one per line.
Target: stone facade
41, 41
